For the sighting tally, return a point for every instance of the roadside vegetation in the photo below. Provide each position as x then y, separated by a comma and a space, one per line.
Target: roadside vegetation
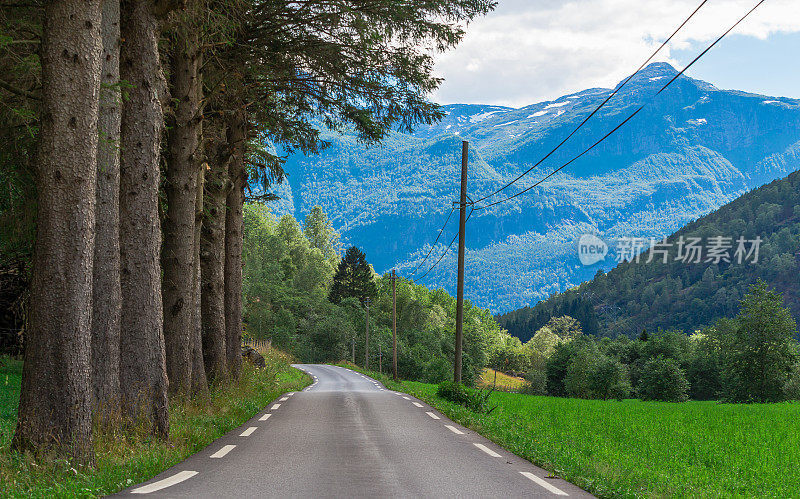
126, 455
301, 296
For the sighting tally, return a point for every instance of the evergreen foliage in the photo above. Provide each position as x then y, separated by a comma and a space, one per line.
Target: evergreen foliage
353, 278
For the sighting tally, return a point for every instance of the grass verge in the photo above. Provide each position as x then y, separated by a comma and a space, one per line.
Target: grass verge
642, 449
124, 458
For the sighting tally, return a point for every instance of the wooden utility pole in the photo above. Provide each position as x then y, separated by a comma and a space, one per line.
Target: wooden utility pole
353, 343
394, 324
366, 348
462, 221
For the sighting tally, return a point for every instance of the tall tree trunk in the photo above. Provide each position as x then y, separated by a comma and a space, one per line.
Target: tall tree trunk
199, 380
212, 269
237, 138
143, 374
106, 288
55, 407
183, 162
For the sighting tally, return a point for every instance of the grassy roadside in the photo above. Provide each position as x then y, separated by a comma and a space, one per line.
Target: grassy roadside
642, 449
124, 458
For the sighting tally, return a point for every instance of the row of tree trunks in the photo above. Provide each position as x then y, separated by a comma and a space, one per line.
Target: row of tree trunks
199, 379
212, 263
106, 287
55, 407
143, 375
237, 141
183, 163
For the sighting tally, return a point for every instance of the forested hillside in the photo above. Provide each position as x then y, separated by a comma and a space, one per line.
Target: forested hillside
691, 150
686, 296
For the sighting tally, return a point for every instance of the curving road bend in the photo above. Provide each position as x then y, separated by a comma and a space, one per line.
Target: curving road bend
348, 436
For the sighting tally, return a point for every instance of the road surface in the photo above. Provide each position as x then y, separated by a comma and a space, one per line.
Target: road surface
348, 436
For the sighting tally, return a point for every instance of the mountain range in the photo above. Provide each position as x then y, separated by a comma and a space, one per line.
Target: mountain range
691, 149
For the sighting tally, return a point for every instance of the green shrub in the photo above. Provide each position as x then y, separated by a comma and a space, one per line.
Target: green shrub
437, 371
704, 374
556, 369
663, 379
535, 383
474, 400
792, 387
610, 379
592, 375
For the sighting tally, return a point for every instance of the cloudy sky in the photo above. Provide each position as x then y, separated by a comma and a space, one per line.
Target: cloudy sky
528, 51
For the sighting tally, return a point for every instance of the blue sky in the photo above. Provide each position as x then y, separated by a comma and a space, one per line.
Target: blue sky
527, 51
770, 66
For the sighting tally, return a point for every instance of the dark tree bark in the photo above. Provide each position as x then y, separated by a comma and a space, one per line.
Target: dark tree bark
212, 266
199, 380
106, 288
55, 407
143, 375
183, 162
237, 137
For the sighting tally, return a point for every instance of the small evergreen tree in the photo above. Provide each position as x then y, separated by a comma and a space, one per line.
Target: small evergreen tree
353, 278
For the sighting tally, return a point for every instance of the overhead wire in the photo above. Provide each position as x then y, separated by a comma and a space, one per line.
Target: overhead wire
447, 249
434, 242
629, 117
602, 104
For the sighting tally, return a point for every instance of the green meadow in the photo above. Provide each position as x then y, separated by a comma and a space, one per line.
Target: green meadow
643, 449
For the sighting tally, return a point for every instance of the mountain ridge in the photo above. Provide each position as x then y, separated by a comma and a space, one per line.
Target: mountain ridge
689, 151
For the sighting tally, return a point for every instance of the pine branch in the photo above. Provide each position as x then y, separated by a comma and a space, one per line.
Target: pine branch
18, 91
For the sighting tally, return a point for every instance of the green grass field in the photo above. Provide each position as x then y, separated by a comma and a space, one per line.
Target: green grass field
644, 449
130, 457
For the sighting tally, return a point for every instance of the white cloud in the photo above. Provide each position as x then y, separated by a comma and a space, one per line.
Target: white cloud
532, 50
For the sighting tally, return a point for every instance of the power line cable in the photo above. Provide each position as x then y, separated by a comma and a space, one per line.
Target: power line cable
629, 117
436, 241
612, 94
472, 208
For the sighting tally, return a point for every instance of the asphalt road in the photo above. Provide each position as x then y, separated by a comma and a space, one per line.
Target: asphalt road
348, 436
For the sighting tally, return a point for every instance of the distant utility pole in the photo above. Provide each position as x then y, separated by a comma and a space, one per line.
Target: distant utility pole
353, 343
380, 359
462, 221
394, 324
366, 349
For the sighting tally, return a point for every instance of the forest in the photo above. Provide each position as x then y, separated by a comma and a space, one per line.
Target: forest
131, 134
289, 273
638, 295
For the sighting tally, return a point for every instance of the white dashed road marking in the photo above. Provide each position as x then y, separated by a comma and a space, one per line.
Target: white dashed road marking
544, 484
417, 404
290, 394
454, 429
284, 399
163, 484
275, 406
407, 398
434, 416
487, 450
222, 452
249, 431
264, 417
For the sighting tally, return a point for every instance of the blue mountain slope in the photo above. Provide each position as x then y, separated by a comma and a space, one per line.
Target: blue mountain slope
691, 150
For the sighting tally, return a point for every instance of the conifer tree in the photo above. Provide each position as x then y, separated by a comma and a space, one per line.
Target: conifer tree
353, 278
